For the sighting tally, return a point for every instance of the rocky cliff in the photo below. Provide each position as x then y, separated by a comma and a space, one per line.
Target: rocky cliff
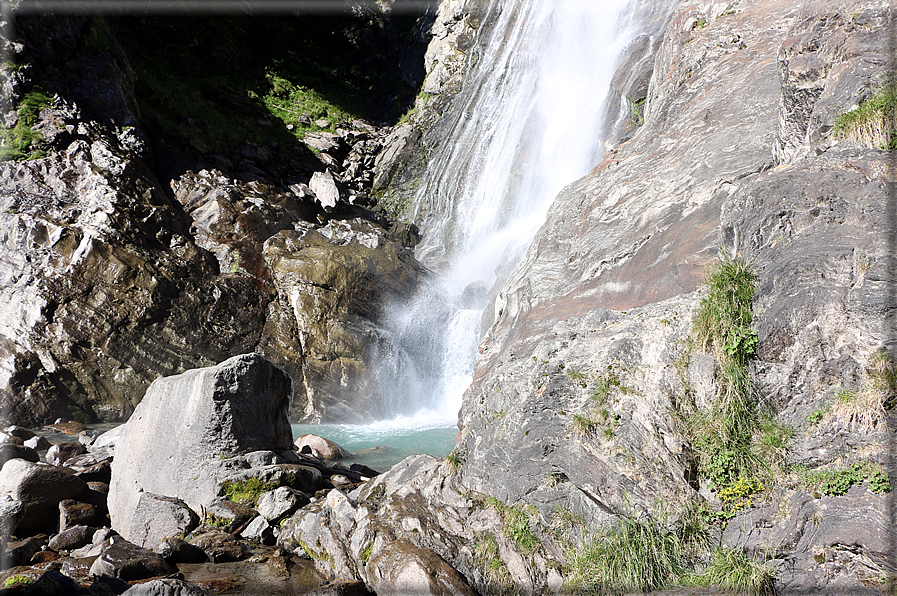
142, 244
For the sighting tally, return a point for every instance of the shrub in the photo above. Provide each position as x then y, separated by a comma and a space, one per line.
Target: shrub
873, 123
837, 482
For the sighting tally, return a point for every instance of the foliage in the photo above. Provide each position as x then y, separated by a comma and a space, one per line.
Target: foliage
631, 556
583, 425
732, 571
636, 108
95, 34
213, 521
837, 482
736, 496
366, 552
17, 143
14, 581
516, 523
873, 123
454, 461
247, 491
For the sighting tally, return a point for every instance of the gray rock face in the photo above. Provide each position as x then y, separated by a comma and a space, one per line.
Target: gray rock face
238, 406
40, 487
157, 517
280, 502
165, 587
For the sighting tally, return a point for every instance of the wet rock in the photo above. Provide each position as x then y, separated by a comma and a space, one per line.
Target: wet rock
72, 538
280, 502
156, 517
355, 261
176, 550
166, 587
60, 452
320, 447
129, 562
240, 405
218, 546
40, 487
76, 513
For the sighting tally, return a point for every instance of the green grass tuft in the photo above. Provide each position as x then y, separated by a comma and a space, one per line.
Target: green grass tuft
873, 123
18, 143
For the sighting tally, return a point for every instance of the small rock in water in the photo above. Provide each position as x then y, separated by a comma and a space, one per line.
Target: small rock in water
321, 447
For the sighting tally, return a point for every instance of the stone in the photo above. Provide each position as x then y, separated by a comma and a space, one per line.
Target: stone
259, 530
91, 467
19, 431
38, 443
176, 550
72, 538
238, 406
325, 190
280, 502
236, 514
60, 452
77, 513
219, 547
40, 487
157, 517
321, 447
165, 587
11, 511
406, 568
257, 459
129, 562
20, 552
107, 440
10, 451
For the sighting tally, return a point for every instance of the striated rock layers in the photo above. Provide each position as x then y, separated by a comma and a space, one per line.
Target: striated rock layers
736, 156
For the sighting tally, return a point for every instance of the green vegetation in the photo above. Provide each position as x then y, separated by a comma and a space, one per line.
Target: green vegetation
600, 416
636, 109
873, 123
16, 581
733, 572
19, 142
867, 406
454, 461
496, 573
723, 436
95, 34
837, 482
366, 552
516, 522
213, 521
247, 491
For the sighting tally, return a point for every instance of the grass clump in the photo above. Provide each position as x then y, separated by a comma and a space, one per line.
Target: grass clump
453, 461
631, 556
19, 142
733, 572
867, 407
873, 123
724, 435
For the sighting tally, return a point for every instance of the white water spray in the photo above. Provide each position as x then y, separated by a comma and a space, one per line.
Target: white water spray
530, 124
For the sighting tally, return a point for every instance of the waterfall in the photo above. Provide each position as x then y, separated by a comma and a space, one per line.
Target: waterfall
530, 121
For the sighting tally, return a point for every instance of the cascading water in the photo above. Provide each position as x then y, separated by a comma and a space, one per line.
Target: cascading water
530, 124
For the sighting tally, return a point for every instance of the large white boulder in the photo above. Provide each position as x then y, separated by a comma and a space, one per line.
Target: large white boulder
179, 439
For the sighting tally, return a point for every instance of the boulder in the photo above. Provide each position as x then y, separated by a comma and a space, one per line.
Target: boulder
241, 405
236, 514
157, 517
91, 467
165, 587
40, 487
72, 538
19, 431
175, 550
321, 447
77, 513
280, 502
325, 189
405, 568
10, 451
60, 452
259, 530
20, 552
129, 562
38, 443
11, 512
